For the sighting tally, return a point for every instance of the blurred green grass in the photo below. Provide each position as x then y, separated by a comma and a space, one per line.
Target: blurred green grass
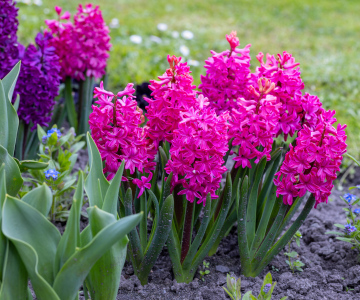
322, 35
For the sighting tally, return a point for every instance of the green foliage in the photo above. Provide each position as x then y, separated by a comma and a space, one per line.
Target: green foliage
234, 286
351, 232
257, 201
205, 270
292, 261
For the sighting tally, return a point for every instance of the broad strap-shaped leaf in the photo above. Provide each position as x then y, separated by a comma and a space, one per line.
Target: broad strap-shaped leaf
40, 198
216, 228
241, 203
87, 88
135, 248
200, 234
103, 279
9, 122
252, 203
160, 237
14, 180
3, 240
71, 236
36, 240
112, 194
74, 271
96, 184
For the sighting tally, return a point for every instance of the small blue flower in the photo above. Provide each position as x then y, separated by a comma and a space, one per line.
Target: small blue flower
357, 211
349, 228
44, 139
349, 197
267, 288
51, 173
358, 186
51, 131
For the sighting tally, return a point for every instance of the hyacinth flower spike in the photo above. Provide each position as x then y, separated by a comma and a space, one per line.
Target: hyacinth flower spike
83, 48
117, 134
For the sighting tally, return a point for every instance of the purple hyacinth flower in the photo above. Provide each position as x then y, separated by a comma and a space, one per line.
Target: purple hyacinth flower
38, 82
9, 46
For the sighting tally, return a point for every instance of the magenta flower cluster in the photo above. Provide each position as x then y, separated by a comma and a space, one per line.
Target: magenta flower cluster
38, 82
83, 46
9, 47
312, 164
197, 151
227, 75
247, 109
172, 95
115, 128
253, 125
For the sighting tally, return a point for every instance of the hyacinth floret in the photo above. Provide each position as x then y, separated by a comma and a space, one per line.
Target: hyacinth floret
197, 151
115, 127
253, 125
38, 82
82, 46
9, 47
172, 94
312, 164
227, 75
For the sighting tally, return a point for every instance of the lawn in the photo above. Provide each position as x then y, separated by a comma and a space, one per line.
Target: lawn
323, 36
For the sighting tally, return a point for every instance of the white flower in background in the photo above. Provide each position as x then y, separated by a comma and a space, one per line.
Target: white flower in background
37, 2
136, 39
192, 62
46, 11
187, 35
162, 26
185, 51
155, 39
175, 34
114, 23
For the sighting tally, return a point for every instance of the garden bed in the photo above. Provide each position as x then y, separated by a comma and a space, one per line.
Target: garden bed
331, 269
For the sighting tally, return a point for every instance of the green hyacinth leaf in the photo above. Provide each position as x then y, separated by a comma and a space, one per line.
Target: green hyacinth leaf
14, 180
9, 121
36, 240
103, 279
112, 194
75, 270
71, 237
40, 198
160, 237
96, 184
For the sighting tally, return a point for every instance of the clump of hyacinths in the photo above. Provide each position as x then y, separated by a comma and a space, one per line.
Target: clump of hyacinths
83, 48
350, 231
188, 138
38, 82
